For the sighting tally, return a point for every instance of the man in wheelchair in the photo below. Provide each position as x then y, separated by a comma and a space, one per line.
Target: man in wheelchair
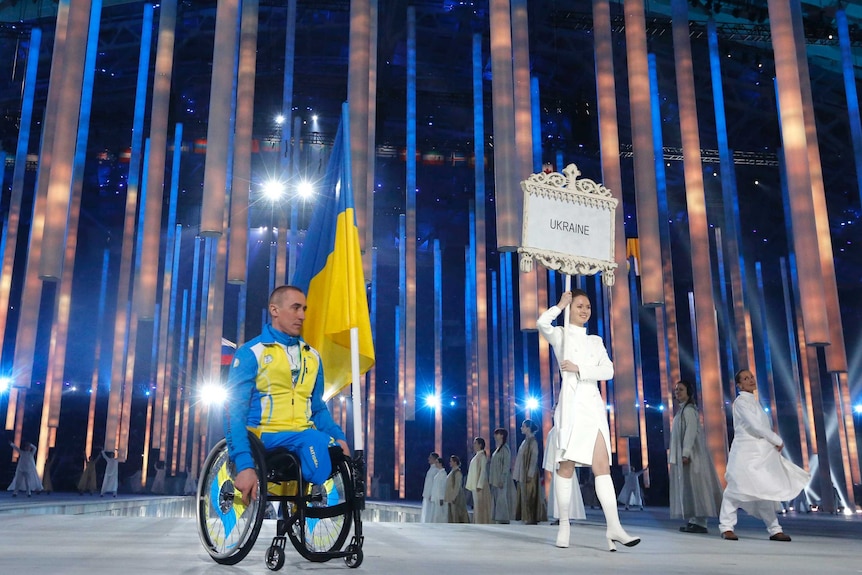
275, 389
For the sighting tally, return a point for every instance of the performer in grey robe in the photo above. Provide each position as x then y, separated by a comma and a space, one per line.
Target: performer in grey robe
526, 475
500, 478
695, 492
455, 498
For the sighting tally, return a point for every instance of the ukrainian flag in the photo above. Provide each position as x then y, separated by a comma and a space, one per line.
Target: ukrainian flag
330, 272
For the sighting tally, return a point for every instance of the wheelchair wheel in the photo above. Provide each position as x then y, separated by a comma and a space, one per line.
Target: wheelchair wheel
327, 516
227, 527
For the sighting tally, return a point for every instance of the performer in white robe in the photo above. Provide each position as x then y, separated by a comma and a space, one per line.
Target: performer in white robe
477, 483
576, 505
440, 509
758, 477
631, 494
427, 507
581, 419
695, 492
26, 478
111, 478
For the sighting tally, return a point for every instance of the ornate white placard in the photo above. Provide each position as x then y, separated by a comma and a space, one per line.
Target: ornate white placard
568, 224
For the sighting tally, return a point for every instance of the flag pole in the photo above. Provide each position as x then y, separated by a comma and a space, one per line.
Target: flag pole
356, 390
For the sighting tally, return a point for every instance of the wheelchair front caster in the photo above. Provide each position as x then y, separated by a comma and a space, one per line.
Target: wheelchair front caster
274, 558
354, 559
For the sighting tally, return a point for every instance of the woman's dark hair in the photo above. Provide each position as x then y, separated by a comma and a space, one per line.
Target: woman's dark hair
529, 423
691, 390
738, 374
456, 459
503, 432
480, 441
576, 292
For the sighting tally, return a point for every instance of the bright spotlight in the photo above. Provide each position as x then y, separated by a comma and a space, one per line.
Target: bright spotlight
432, 401
5, 383
273, 190
279, 119
661, 407
856, 408
305, 189
213, 394
532, 403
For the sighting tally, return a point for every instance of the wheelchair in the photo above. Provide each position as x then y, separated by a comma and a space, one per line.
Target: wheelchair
315, 518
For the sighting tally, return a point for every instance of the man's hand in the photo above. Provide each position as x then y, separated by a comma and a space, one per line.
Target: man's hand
344, 447
246, 482
779, 447
686, 460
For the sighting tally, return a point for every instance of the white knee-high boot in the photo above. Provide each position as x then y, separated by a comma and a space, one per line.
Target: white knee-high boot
563, 499
608, 499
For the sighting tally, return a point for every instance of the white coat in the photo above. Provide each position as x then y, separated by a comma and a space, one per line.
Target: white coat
755, 469
581, 412
439, 507
111, 479
427, 508
26, 478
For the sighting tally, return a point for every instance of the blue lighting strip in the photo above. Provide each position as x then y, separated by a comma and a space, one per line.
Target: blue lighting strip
140, 110
194, 295
104, 358
537, 124
410, 192
728, 192
847, 67
496, 340
142, 202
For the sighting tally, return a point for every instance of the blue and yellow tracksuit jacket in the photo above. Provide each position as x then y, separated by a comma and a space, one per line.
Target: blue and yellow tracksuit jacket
262, 395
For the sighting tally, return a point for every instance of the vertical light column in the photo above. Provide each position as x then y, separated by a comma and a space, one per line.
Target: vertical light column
621, 310
438, 348
218, 130
22, 364
241, 173
357, 99
289, 131
122, 322
371, 150
371, 396
146, 281
478, 276
293, 234
849, 72
843, 393
13, 216
668, 339
806, 242
507, 192
470, 376
166, 336
410, 227
836, 357
801, 413
400, 399
644, 157
523, 110
547, 401
53, 390
64, 140
94, 383
494, 336
698, 226
507, 280
740, 338
767, 348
